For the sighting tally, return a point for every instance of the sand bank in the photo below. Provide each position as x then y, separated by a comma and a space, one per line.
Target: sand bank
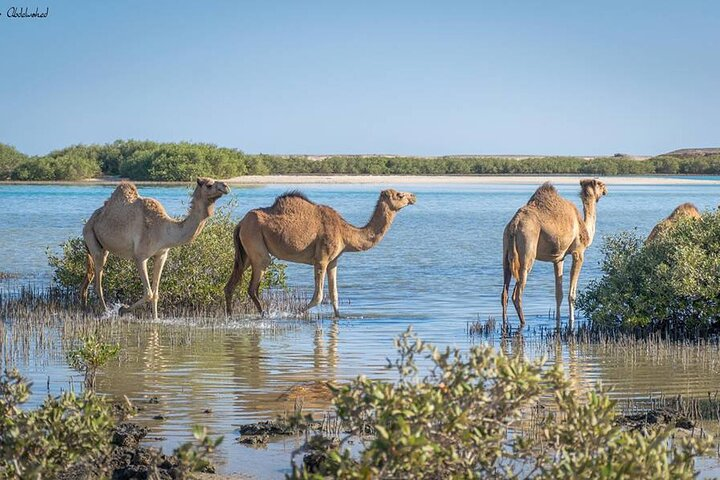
459, 179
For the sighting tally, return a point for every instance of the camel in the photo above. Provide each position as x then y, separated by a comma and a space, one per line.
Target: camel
548, 228
138, 229
294, 229
682, 211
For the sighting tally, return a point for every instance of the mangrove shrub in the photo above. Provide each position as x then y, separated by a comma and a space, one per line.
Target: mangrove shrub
671, 283
40, 443
478, 415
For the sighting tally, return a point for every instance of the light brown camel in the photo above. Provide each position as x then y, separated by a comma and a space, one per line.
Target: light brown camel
138, 228
297, 230
685, 210
548, 229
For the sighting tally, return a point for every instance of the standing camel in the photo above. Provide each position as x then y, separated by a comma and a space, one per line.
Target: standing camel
548, 228
297, 230
686, 210
138, 228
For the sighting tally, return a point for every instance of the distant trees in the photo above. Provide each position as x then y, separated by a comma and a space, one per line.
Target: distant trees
146, 160
10, 158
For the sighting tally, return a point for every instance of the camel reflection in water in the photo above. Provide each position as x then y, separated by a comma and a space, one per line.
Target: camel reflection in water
557, 352
270, 386
209, 376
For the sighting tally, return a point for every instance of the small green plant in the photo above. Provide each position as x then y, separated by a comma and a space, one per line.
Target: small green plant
472, 417
196, 457
194, 275
40, 443
90, 357
670, 284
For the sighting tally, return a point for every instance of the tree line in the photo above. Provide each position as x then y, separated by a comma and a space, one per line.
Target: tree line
154, 161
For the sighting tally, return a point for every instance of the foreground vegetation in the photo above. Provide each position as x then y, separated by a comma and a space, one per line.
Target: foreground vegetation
670, 284
77, 436
194, 276
146, 160
469, 418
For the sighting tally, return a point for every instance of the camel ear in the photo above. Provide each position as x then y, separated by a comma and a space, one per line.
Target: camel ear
200, 181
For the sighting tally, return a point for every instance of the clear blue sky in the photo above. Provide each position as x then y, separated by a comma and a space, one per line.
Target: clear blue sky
424, 78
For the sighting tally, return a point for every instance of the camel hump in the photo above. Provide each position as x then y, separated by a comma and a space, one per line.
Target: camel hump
289, 198
685, 210
545, 192
126, 192
545, 196
153, 208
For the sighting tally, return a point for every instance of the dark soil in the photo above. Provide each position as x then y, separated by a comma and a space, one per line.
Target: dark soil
127, 460
269, 427
656, 417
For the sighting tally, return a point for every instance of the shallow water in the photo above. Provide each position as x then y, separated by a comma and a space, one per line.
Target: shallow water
437, 269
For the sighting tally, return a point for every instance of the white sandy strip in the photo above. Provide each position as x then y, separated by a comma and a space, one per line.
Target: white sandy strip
459, 179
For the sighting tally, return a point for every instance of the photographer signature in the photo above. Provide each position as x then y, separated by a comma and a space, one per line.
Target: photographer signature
25, 12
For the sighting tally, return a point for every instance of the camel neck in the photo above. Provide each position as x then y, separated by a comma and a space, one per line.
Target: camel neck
184, 231
361, 239
589, 211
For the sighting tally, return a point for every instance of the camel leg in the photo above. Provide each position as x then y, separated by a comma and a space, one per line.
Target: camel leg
147, 289
518, 292
96, 258
578, 259
89, 275
558, 290
320, 269
332, 287
158, 265
99, 261
254, 287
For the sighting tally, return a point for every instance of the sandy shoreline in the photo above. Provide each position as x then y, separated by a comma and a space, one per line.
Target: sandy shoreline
409, 179
459, 179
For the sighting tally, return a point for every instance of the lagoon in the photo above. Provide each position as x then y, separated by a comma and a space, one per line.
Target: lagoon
438, 269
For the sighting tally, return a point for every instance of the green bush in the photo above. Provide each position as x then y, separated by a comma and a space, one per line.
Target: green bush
40, 443
10, 158
195, 457
66, 430
63, 167
182, 162
194, 275
470, 417
90, 357
672, 283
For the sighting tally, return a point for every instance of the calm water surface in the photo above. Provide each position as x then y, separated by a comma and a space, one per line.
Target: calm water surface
437, 269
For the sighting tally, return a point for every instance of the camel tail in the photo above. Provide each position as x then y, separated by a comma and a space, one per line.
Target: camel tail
237, 272
239, 249
511, 259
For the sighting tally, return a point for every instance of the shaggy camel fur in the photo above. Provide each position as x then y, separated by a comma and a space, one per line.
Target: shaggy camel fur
138, 228
685, 210
297, 230
548, 229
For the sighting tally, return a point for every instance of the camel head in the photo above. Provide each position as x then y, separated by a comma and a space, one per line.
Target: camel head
592, 189
210, 190
397, 200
